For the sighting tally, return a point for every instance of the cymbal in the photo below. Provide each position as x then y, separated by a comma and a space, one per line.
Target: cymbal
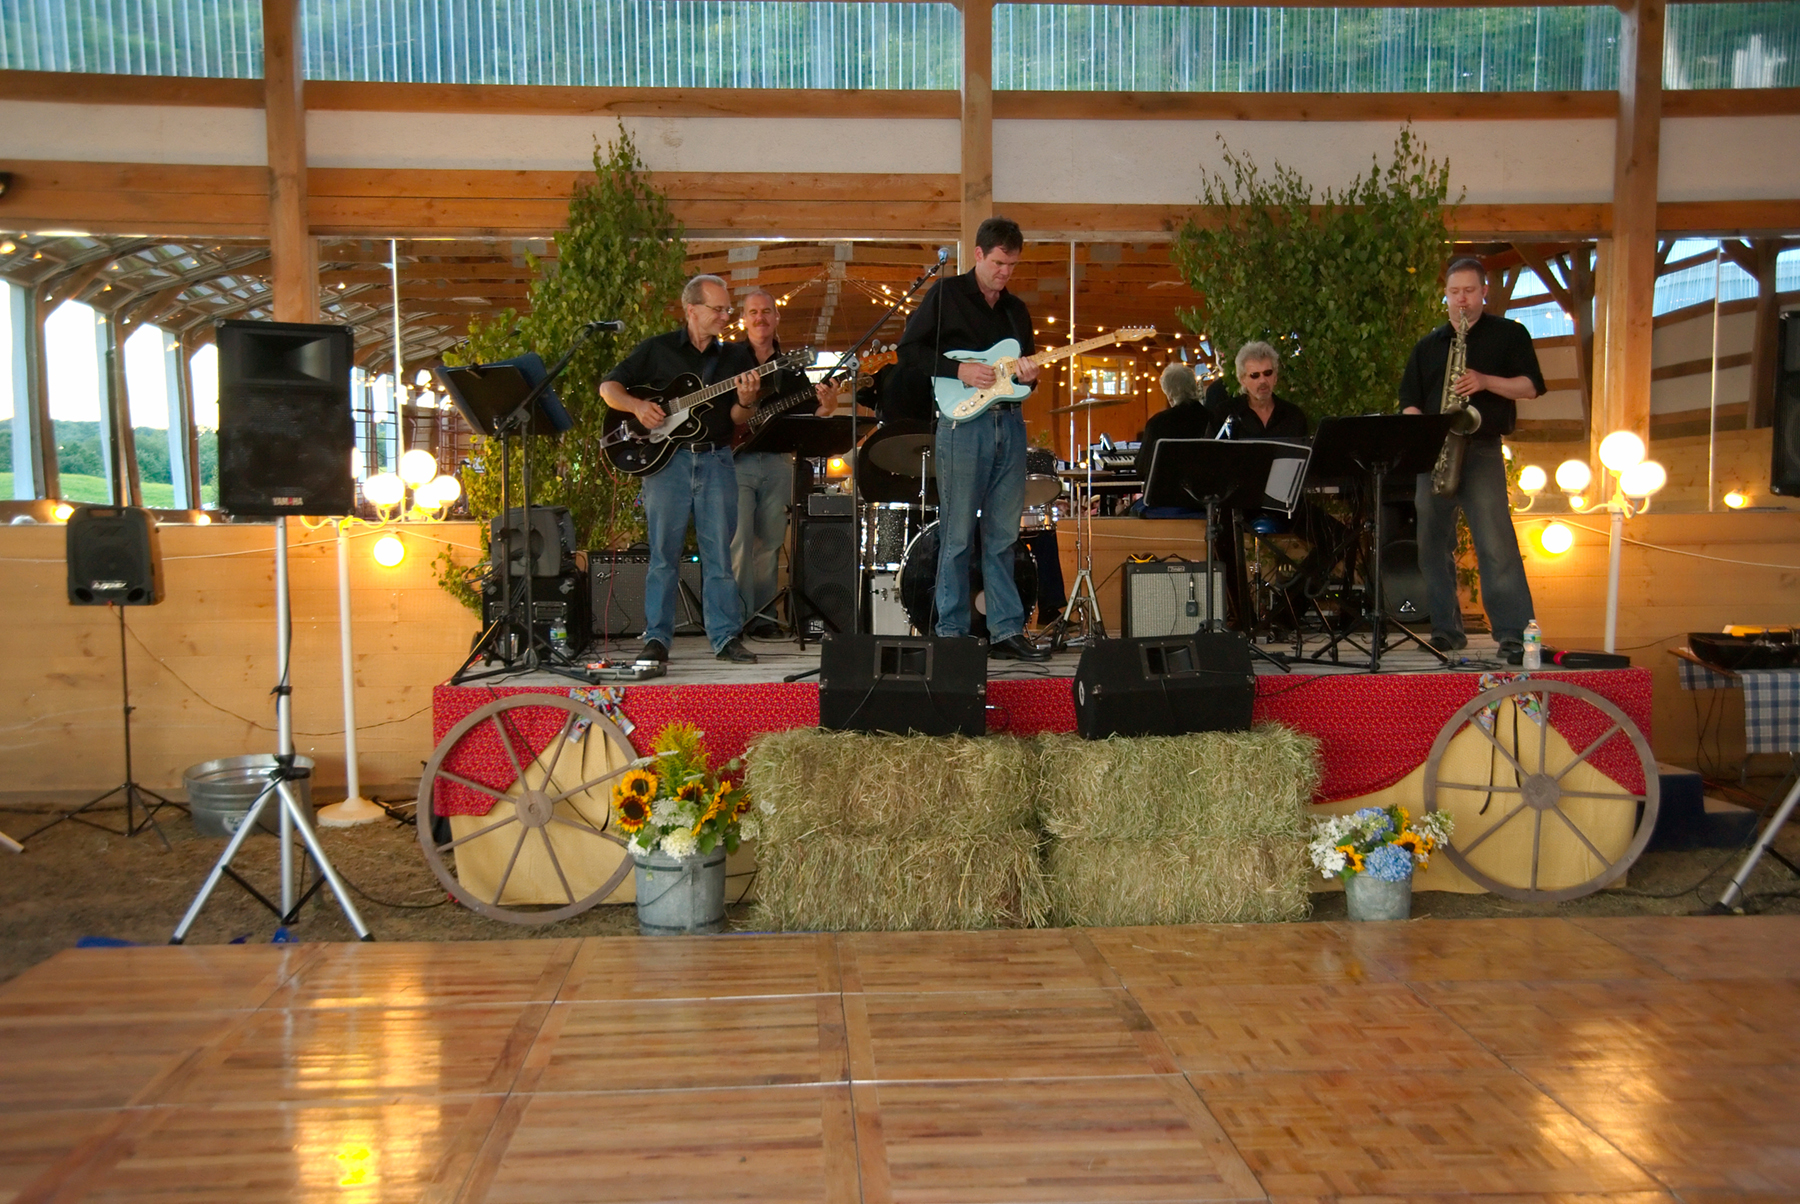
901, 454
1091, 403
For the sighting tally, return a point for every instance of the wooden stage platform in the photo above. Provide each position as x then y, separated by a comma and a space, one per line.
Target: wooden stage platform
1496, 1061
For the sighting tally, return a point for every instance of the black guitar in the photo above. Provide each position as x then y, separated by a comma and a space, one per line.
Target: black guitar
638, 452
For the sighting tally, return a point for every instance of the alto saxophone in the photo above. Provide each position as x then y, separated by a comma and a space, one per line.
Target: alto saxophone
1446, 474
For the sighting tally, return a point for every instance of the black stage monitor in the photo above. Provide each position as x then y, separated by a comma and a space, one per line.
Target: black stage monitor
286, 434
877, 683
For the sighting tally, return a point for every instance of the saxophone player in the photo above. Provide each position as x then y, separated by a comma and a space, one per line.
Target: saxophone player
1501, 369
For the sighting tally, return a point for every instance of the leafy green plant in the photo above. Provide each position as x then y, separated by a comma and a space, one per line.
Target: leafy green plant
1341, 284
620, 256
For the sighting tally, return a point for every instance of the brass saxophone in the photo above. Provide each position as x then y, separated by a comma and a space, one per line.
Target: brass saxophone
1446, 474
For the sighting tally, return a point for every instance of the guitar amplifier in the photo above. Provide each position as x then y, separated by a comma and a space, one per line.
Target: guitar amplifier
616, 593
559, 607
1168, 597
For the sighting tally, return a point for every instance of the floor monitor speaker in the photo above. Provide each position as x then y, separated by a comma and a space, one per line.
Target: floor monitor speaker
114, 557
286, 435
1164, 686
825, 573
1784, 463
926, 684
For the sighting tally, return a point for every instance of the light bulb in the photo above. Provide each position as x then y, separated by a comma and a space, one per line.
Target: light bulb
1556, 538
417, 467
1577, 501
1506, 450
61, 511
448, 489
202, 519
1643, 479
384, 489
1736, 500
389, 551
1572, 476
1532, 479
1620, 450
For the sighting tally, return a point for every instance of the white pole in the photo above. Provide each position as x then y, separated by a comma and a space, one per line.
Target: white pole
1612, 577
399, 358
1712, 406
355, 809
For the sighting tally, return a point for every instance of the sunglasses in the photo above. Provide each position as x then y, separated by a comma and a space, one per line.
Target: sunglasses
1259, 375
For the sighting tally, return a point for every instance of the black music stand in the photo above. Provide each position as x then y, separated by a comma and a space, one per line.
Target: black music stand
809, 437
508, 400
1377, 445
1211, 473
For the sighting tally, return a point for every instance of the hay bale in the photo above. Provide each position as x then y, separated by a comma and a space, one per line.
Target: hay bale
895, 832
1206, 828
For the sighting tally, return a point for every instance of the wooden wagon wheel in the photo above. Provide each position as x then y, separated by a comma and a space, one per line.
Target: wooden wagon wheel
1526, 784
548, 792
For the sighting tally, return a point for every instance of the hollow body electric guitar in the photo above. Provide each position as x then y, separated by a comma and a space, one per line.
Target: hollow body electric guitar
639, 452
749, 433
958, 402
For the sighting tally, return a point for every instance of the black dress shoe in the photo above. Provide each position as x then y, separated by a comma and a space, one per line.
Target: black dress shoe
1449, 641
1512, 652
1017, 648
654, 650
735, 652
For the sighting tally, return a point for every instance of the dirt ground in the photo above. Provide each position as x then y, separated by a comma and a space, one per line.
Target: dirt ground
74, 881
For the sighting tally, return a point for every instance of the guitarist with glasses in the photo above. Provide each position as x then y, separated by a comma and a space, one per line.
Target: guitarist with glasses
980, 459
765, 480
699, 481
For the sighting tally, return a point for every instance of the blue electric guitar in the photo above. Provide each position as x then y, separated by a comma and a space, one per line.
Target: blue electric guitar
957, 401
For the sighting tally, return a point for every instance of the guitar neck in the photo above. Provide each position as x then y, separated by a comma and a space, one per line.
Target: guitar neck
1057, 353
713, 390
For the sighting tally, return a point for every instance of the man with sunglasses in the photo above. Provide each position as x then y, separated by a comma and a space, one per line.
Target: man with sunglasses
1258, 414
699, 481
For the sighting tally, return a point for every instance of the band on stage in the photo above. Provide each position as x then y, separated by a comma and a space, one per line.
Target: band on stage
947, 484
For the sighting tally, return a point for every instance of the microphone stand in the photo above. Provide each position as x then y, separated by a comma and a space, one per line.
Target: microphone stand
844, 368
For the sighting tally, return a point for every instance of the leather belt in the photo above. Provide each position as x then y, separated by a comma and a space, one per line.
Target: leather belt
700, 449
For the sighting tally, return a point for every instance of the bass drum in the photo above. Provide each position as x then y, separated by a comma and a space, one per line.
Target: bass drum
918, 582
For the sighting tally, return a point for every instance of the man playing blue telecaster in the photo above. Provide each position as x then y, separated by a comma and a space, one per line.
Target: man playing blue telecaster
980, 460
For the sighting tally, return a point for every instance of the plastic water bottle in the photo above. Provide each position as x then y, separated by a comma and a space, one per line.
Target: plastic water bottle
1534, 647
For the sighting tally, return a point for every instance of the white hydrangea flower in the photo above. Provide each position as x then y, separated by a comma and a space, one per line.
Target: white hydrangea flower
765, 806
680, 843
665, 811
748, 828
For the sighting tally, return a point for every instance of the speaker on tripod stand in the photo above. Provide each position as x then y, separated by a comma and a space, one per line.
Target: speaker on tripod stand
114, 559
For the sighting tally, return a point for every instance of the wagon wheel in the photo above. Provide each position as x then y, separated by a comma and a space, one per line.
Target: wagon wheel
1525, 784
548, 794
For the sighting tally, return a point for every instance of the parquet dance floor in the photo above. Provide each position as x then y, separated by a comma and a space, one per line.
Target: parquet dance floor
1505, 1061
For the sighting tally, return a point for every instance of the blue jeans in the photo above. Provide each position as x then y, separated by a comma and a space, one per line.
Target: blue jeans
702, 486
765, 487
980, 467
1505, 593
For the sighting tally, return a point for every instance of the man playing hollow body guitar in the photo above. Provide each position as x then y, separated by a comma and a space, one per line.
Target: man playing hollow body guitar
981, 459
765, 480
699, 479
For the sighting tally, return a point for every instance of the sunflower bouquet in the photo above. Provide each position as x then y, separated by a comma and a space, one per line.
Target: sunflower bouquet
1383, 842
673, 804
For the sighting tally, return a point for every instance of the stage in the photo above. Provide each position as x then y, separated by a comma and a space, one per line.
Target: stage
1611, 1061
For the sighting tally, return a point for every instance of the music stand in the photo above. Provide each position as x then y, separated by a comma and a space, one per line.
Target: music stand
506, 400
1211, 473
1378, 445
809, 437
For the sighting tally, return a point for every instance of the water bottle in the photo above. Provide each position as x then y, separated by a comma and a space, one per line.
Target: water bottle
1534, 647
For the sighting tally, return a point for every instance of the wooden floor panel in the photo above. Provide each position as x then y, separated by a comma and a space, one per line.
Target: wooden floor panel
1530, 1061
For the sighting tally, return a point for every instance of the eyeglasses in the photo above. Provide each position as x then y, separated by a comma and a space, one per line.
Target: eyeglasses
1259, 375
724, 311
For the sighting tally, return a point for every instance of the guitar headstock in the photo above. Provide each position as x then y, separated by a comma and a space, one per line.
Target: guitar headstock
800, 357
1135, 334
874, 361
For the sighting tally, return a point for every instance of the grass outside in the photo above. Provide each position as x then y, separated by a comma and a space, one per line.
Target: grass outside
97, 491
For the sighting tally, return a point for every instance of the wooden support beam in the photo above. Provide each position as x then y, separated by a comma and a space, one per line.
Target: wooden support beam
977, 124
1625, 403
295, 253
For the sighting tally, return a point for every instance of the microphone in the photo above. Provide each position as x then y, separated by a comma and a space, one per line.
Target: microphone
614, 326
943, 254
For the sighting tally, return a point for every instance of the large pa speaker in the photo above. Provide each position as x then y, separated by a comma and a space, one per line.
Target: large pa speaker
616, 591
882, 683
1403, 584
113, 557
548, 547
1164, 686
1784, 461
1168, 597
825, 572
286, 436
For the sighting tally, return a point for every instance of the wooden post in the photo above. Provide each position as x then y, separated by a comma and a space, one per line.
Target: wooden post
977, 124
295, 255
1631, 283
1766, 349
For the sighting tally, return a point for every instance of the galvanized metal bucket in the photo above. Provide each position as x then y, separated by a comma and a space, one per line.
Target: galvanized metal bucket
1370, 898
220, 793
680, 895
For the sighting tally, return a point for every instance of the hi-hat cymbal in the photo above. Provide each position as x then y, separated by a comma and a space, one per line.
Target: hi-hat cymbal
902, 453
1090, 403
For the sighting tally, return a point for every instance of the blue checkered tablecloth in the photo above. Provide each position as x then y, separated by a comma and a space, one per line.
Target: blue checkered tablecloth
1699, 677
1771, 710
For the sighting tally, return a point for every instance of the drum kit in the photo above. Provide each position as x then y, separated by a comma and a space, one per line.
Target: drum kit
897, 480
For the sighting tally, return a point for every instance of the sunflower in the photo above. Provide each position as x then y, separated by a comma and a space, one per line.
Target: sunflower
1411, 841
712, 810
692, 792
1352, 857
633, 812
740, 808
637, 783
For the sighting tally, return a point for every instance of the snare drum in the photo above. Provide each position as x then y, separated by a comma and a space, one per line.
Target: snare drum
887, 528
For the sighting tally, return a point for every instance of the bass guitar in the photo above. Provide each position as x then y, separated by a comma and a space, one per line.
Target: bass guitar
639, 452
957, 401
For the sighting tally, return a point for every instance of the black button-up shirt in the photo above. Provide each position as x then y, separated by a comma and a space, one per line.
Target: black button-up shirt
659, 359
1497, 347
955, 317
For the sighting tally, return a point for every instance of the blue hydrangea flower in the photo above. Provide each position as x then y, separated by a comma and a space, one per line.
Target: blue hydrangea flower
1389, 863
1375, 821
